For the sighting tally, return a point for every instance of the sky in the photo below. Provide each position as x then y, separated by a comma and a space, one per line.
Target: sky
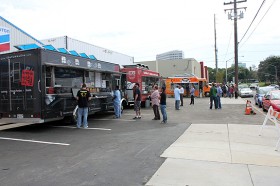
144, 28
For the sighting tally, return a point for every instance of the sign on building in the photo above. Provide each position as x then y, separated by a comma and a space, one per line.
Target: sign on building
4, 39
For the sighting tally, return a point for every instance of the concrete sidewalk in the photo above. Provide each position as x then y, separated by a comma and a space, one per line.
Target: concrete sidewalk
221, 155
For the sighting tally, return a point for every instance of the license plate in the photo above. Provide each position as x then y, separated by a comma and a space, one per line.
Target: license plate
19, 116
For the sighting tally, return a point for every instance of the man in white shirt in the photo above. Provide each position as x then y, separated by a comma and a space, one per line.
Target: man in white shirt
181, 94
177, 97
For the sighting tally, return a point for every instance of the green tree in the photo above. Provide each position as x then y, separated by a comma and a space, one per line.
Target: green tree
268, 69
220, 76
212, 74
253, 72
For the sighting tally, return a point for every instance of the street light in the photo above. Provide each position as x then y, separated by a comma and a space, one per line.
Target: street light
226, 66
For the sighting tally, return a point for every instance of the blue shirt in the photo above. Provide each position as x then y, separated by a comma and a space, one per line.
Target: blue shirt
219, 91
177, 93
192, 91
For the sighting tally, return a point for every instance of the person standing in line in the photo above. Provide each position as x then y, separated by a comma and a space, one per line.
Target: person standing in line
137, 101
163, 105
181, 94
231, 91
224, 91
219, 95
155, 102
117, 102
177, 97
192, 94
236, 91
187, 90
83, 97
228, 91
213, 96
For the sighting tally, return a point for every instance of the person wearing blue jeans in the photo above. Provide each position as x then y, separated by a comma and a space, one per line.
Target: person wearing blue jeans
177, 97
82, 112
219, 95
83, 97
163, 105
117, 102
213, 96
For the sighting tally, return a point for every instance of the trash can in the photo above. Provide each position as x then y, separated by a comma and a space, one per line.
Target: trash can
147, 103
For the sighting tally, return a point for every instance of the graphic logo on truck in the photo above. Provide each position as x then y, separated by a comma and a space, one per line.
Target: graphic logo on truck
131, 75
27, 78
4, 39
185, 80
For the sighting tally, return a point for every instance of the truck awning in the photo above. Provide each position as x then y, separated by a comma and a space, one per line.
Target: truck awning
27, 46
49, 47
92, 57
63, 50
73, 52
84, 55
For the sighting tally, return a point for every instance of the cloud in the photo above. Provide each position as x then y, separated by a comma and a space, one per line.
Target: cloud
145, 28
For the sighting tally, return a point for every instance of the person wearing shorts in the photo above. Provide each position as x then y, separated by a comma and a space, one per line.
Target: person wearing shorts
137, 101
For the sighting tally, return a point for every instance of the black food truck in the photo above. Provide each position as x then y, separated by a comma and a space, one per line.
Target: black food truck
40, 85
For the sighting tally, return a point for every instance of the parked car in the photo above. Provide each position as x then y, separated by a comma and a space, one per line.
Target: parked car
274, 85
260, 92
254, 86
271, 98
246, 92
241, 86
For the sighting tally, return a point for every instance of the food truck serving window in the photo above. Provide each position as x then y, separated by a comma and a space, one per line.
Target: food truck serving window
66, 78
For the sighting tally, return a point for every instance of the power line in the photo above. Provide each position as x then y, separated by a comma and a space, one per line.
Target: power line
258, 24
228, 45
252, 21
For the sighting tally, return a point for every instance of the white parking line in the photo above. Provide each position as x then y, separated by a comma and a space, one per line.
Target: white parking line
34, 141
82, 128
5, 126
114, 119
133, 114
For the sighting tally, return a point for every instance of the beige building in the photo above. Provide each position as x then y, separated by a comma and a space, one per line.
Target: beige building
169, 68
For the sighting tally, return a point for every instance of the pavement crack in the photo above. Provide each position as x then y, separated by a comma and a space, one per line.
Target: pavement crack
229, 144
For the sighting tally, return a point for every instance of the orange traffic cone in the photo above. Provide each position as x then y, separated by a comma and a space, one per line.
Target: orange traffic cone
249, 109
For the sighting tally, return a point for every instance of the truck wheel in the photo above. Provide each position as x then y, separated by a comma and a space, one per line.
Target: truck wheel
122, 107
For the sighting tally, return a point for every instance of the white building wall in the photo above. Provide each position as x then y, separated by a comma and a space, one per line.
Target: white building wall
20, 37
17, 36
100, 53
171, 55
168, 68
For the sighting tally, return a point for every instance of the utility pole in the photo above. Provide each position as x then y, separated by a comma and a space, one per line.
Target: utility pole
235, 16
216, 50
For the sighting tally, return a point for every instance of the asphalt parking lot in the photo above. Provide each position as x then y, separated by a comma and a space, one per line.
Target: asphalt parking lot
110, 152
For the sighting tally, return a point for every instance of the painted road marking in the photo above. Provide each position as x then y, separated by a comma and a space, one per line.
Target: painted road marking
133, 114
114, 119
34, 141
81, 128
5, 126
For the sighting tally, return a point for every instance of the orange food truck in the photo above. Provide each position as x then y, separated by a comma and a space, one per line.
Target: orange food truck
200, 84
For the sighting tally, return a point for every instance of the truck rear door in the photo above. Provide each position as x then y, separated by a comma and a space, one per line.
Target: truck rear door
20, 92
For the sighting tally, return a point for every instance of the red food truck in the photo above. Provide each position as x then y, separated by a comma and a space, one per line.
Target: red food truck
141, 74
